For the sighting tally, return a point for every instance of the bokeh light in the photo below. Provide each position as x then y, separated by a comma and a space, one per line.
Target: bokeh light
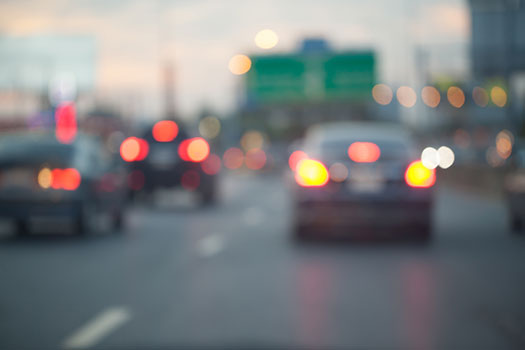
66, 123
165, 131
143, 149
252, 139
240, 64
462, 138
455, 96
266, 39
295, 157
255, 159
190, 180
480, 96
493, 158
198, 149
211, 165
430, 96
406, 96
418, 175
338, 172
209, 127
364, 152
430, 158
382, 94
44, 178
446, 157
311, 173
130, 149
504, 143
233, 158
498, 96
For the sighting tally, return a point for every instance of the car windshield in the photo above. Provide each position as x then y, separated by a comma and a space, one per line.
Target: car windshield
271, 174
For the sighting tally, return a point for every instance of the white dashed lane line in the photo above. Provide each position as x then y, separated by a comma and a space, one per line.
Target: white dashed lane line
98, 328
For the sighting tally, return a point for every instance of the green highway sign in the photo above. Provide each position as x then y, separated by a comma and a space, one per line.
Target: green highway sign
303, 77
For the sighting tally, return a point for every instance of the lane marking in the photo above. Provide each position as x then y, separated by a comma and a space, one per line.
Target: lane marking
210, 245
103, 324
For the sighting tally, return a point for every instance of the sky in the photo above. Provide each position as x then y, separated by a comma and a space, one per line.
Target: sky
134, 38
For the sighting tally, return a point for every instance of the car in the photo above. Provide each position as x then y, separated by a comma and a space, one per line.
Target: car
361, 179
514, 188
41, 177
175, 160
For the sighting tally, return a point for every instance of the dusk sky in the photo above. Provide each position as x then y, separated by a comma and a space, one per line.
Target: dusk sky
200, 36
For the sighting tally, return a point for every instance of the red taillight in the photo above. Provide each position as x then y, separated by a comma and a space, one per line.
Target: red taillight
165, 131
295, 157
134, 149
65, 179
311, 173
66, 123
364, 152
143, 150
195, 149
417, 175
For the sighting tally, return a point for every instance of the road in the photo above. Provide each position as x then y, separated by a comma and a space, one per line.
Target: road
229, 277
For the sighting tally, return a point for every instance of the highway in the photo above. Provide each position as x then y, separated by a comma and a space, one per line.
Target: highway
230, 276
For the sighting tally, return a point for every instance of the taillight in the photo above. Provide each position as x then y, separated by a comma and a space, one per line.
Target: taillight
311, 173
194, 150
59, 179
165, 131
134, 149
417, 175
295, 158
364, 152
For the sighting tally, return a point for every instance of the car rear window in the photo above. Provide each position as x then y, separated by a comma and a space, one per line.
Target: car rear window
390, 150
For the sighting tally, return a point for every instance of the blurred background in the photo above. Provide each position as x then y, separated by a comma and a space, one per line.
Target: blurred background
161, 160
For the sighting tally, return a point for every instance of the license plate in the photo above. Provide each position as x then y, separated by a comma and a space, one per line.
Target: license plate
366, 179
163, 157
21, 178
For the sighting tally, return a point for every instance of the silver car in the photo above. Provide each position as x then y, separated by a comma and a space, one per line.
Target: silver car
361, 179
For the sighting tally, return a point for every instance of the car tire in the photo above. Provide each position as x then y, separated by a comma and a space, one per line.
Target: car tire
117, 221
300, 233
424, 234
516, 225
22, 228
208, 196
84, 219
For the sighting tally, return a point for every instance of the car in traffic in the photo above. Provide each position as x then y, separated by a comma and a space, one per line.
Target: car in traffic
362, 180
167, 157
514, 188
41, 177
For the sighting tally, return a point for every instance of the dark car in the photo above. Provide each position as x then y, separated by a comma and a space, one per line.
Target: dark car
174, 159
361, 180
514, 188
43, 178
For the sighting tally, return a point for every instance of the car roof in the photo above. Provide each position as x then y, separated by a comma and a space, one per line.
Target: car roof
342, 131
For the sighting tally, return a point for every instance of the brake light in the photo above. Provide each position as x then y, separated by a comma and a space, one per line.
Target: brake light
295, 158
134, 149
311, 173
66, 123
59, 179
364, 152
165, 131
417, 175
195, 150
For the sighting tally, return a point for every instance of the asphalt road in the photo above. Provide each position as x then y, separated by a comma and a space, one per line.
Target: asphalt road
229, 277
